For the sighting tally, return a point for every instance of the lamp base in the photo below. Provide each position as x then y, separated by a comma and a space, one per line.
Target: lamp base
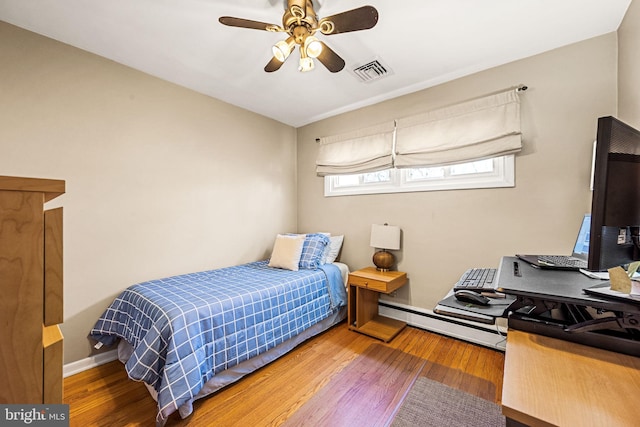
384, 260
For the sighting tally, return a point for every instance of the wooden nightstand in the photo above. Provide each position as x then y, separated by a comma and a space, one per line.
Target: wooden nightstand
365, 286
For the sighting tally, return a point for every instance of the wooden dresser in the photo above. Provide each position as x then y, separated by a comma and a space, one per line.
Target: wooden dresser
31, 305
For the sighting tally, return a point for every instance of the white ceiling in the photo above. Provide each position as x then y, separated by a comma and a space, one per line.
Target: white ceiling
423, 42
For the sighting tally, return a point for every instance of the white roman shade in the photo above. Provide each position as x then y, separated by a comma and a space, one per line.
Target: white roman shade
363, 150
473, 130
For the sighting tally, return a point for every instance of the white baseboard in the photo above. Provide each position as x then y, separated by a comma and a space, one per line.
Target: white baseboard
89, 362
491, 336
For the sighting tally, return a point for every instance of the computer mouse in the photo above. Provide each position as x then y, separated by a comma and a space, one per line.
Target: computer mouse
471, 297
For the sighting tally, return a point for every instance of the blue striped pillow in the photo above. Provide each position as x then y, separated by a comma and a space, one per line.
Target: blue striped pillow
313, 250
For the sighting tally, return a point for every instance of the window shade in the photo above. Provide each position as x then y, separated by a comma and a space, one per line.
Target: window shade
473, 130
364, 150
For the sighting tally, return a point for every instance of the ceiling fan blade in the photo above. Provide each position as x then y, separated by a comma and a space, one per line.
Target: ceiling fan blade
330, 59
247, 23
273, 65
362, 18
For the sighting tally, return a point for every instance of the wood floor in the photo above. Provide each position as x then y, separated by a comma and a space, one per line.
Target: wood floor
104, 396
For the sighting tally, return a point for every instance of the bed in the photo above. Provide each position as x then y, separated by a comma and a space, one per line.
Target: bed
187, 336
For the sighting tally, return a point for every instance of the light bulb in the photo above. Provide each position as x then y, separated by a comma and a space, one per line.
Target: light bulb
306, 64
313, 47
282, 49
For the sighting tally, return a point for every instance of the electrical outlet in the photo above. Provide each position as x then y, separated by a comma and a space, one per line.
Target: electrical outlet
622, 236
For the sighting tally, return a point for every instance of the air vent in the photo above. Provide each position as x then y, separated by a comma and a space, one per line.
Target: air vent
371, 71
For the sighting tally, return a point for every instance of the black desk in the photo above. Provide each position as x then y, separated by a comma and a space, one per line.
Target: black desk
552, 303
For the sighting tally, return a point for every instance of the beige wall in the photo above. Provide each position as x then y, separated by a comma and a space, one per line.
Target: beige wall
446, 232
629, 67
160, 180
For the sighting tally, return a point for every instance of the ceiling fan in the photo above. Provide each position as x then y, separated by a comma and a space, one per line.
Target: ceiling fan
301, 23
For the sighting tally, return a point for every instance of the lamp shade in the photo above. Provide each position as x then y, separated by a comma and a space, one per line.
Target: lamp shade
312, 46
385, 236
306, 64
283, 48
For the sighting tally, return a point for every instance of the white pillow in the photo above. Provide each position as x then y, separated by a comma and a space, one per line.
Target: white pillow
334, 249
286, 252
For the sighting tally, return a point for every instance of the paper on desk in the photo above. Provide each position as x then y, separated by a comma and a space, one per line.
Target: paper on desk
604, 275
633, 268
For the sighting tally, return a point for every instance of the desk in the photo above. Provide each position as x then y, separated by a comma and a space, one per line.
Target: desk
552, 303
548, 381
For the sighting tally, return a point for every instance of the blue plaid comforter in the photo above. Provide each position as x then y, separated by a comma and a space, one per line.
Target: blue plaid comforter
187, 328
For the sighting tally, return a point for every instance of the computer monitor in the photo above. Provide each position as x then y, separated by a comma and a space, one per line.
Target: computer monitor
615, 206
581, 247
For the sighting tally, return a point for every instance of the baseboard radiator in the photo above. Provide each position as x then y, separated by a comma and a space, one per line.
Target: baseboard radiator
491, 336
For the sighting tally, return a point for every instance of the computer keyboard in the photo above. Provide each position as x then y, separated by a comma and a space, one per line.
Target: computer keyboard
562, 261
477, 279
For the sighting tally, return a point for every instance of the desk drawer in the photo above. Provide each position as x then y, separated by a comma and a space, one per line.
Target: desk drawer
368, 283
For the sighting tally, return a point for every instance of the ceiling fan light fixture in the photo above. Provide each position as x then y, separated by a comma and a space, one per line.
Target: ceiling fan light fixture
301, 22
282, 49
306, 64
313, 47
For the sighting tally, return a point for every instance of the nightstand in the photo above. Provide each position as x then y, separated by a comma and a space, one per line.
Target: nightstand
365, 286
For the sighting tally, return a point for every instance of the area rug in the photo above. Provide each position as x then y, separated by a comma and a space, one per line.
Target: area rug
366, 392
430, 403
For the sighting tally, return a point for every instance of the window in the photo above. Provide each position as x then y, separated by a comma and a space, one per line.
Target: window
488, 173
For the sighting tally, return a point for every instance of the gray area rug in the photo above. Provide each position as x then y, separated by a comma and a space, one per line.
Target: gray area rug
430, 403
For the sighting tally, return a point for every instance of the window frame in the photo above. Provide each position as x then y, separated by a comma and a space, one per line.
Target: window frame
502, 176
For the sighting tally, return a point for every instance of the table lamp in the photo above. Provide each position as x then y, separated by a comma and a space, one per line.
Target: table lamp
384, 237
